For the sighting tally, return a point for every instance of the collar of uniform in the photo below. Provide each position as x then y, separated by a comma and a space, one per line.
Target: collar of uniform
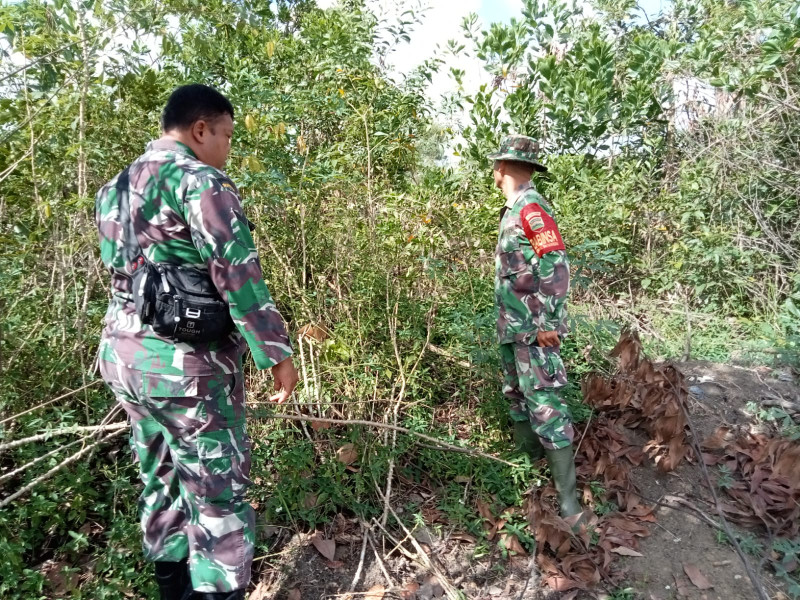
520, 190
170, 146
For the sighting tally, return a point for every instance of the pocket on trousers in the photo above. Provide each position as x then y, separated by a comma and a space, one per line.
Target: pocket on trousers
224, 463
157, 385
224, 400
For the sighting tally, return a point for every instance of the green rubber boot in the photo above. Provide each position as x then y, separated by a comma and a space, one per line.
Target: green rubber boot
562, 466
527, 441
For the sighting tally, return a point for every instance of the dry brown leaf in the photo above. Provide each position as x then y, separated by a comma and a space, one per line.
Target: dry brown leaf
58, 577
409, 591
696, 577
347, 454
680, 586
512, 544
334, 564
489, 520
717, 439
318, 425
376, 592
325, 546
485, 511
626, 551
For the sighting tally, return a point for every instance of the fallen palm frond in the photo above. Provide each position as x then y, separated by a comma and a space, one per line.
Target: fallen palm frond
764, 479
643, 395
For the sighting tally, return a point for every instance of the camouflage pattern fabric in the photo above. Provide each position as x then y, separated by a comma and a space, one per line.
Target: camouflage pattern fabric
188, 435
530, 291
521, 148
186, 401
531, 376
188, 213
531, 287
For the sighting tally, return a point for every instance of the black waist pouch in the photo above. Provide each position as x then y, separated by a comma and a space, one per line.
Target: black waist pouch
180, 303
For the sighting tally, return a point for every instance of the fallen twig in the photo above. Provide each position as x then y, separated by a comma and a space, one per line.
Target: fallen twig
440, 445
357, 576
755, 580
64, 431
43, 404
444, 353
379, 559
38, 459
585, 429
684, 502
74, 458
449, 590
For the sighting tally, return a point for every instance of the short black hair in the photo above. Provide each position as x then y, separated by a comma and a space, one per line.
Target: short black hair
190, 103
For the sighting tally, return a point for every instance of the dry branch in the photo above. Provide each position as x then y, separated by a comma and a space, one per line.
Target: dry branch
440, 445
64, 431
74, 458
43, 404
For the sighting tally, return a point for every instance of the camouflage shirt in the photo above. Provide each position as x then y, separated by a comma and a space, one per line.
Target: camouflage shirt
188, 213
531, 271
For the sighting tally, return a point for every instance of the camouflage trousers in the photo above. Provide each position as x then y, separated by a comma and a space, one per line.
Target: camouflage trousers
188, 435
531, 378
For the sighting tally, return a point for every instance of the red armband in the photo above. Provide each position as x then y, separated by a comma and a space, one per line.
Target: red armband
541, 230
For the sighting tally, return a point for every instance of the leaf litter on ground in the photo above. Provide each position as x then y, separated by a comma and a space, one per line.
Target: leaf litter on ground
651, 399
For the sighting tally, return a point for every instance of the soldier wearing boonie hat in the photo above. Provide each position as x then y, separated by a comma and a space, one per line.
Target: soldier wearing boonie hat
531, 286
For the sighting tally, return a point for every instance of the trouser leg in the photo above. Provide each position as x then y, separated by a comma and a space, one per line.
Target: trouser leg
162, 511
540, 372
205, 423
189, 436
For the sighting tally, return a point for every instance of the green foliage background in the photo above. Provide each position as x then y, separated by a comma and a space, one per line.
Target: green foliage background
670, 212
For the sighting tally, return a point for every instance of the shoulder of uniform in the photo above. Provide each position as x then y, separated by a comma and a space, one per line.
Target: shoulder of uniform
205, 176
533, 197
110, 185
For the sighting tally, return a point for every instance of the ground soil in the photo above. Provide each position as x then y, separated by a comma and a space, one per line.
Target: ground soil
296, 569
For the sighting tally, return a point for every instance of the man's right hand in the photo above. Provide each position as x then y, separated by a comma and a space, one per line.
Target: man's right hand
285, 376
548, 339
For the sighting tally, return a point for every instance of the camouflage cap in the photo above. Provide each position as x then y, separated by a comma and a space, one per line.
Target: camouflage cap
521, 148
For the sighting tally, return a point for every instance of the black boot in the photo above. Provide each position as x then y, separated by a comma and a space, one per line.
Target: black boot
173, 580
234, 595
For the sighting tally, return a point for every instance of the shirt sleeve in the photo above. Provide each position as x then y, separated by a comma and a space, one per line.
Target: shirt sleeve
220, 233
553, 289
553, 271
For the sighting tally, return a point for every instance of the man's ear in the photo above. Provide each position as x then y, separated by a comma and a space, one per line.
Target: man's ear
199, 130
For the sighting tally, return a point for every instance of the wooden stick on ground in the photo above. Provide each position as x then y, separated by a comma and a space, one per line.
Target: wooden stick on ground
74, 458
380, 560
357, 576
755, 580
64, 431
43, 404
440, 445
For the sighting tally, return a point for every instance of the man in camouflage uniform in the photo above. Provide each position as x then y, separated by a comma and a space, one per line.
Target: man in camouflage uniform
531, 286
186, 403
